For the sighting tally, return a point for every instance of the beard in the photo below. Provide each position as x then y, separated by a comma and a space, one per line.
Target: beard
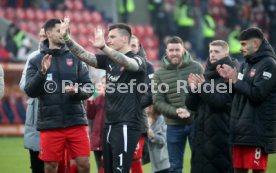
60, 43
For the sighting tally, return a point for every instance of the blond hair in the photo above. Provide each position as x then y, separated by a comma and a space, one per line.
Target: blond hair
220, 43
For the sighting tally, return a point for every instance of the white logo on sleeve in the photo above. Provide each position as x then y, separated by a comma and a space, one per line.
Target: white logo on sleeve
151, 76
139, 60
267, 75
49, 76
110, 67
240, 76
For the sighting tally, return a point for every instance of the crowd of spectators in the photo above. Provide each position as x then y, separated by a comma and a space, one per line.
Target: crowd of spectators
228, 15
167, 16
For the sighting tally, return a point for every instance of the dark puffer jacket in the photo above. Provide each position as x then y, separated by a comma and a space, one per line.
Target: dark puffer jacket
56, 108
211, 148
253, 114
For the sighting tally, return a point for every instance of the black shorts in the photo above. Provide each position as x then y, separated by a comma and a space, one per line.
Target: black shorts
119, 143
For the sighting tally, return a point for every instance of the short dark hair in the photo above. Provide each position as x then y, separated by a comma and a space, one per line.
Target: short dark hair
253, 32
174, 39
123, 28
51, 23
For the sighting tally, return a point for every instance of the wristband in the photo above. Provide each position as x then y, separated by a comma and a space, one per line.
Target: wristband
66, 37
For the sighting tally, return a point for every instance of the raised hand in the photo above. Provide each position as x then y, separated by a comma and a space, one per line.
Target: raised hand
99, 40
46, 63
64, 27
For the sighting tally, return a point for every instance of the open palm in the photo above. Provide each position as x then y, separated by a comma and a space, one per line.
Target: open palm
64, 28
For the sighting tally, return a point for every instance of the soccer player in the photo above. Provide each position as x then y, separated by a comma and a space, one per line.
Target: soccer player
62, 118
123, 114
253, 113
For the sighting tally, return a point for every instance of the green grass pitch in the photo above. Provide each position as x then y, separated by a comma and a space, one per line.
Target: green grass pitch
15, 159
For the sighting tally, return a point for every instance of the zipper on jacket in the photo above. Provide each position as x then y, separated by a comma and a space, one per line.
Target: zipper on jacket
59, 79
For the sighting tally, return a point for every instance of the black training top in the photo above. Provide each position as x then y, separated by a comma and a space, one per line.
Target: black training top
122, 91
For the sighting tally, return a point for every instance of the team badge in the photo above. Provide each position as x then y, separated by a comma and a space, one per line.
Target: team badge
252, 72
69, 61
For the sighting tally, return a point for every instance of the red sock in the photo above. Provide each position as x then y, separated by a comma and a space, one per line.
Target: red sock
136, 166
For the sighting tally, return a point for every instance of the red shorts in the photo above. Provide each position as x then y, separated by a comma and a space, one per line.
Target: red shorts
248, 157
53, 143
139, 148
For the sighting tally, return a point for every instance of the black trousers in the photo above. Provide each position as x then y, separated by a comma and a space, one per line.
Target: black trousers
37, 165
98, 155
119, 143
164, 171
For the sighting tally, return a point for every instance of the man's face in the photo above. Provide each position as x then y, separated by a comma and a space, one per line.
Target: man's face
248, 47
54, 35
216, 53
134, 44
115, 40
175, 52
42, 35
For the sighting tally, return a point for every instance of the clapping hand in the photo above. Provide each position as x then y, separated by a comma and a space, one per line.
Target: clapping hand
46, 63
71, 90
194, 80
227, 72
183, 113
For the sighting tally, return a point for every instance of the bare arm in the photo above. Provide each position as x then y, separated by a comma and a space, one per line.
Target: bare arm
98, 42
120, 58
80, 52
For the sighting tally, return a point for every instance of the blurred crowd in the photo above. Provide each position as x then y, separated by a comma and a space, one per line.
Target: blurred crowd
196, 21
201, 21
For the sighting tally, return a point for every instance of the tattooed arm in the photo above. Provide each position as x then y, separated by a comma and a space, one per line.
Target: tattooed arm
118, 57
74, 47
80, 52
99, 42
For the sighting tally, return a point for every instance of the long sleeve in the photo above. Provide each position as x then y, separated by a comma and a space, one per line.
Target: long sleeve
34, 85
159, 133
23, 77
146, 99
263, 83
86, 89
192, 101
2, 83
159, 100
